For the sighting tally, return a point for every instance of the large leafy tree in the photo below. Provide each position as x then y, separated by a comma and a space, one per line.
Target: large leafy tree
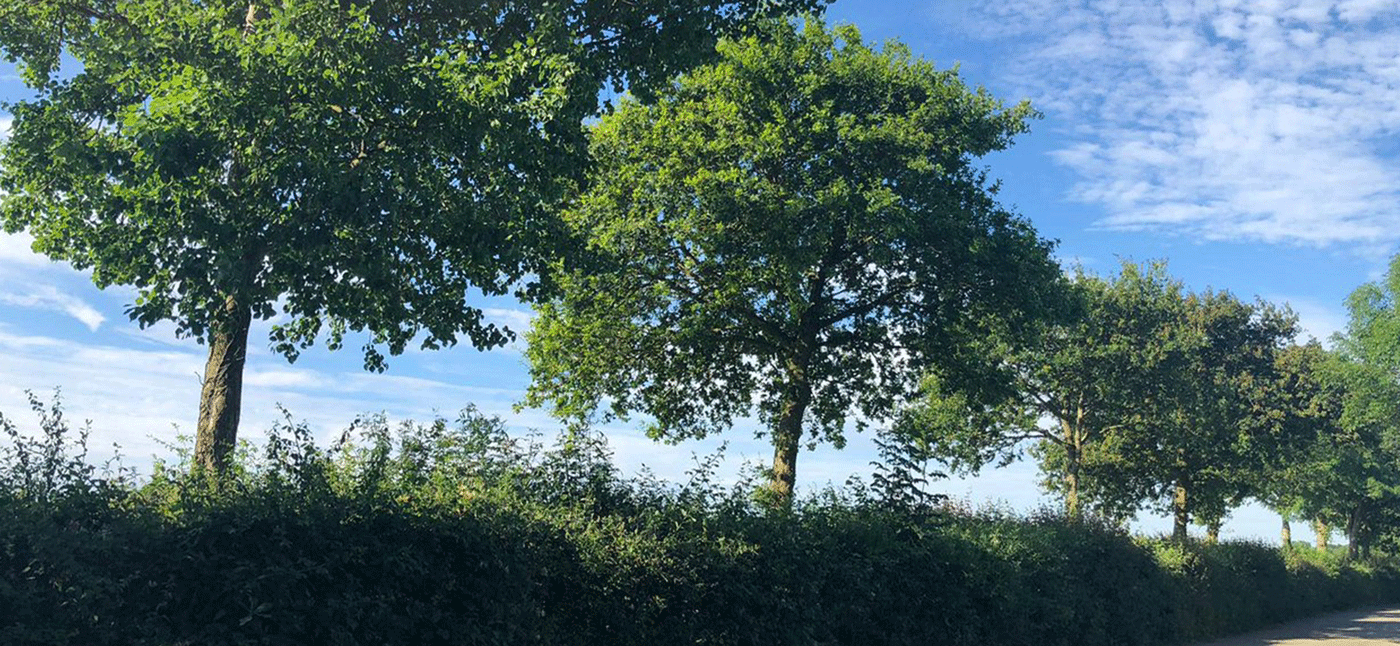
1357, 473
359, 165
1373, 327
1346, 471
1212, 426
1076, 385
1310, 407
1366, 475
798, 230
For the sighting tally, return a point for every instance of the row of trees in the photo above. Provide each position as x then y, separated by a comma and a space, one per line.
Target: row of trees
1153, 396
360, 166
792, 225
798, 229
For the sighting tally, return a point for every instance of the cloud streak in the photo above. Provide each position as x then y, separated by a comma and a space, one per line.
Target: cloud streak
47, 297
1249, 120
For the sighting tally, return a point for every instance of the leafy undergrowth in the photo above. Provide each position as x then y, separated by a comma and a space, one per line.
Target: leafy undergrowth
454, 532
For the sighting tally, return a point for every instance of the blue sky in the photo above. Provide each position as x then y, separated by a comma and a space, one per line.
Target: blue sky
1252, 144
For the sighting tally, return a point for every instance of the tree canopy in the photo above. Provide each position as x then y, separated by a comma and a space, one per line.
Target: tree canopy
1072, 386
1209, 423
361, 165
798, 231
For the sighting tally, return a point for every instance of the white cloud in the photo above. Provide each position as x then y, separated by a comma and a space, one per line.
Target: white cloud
515, 320
17, 249
48, 297
1258, 120
1318, 320
282, 379
5, 123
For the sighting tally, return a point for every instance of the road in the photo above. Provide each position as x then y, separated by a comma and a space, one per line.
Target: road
1373, 627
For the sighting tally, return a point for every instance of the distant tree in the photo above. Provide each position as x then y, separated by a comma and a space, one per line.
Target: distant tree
1358, 478
1309, 407
1344, 467
360, 165
1074, 385
1369, 373
1373, 328
1211, 427
799, 230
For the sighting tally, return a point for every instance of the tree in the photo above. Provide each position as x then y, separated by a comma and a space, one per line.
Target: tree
1373, 327
799, 229
1211, 426
1343, 468
1310, 409
1359, 474
1074, 385
1366, 470
360, 165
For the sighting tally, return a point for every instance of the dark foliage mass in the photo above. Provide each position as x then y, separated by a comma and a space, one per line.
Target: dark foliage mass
454, 532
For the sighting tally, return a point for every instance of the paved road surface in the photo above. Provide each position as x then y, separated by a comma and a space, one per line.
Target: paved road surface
1374, 627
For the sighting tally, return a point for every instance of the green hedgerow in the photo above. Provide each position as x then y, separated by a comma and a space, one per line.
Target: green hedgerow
457, 532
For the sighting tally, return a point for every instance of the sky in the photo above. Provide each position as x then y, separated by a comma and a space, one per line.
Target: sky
1252, 145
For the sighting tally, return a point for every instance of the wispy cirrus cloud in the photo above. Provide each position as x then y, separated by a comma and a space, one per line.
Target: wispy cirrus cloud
1258, 120
48, 297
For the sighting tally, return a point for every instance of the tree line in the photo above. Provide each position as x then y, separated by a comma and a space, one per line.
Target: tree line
778, 220
1156, 397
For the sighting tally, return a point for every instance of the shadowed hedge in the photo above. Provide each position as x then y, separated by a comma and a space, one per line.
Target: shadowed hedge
456, 533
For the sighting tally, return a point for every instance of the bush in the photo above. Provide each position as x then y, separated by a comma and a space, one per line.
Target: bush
454, 532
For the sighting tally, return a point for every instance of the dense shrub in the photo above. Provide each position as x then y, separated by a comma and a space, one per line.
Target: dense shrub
457, 533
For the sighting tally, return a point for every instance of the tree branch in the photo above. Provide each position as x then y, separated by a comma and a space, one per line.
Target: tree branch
768, 327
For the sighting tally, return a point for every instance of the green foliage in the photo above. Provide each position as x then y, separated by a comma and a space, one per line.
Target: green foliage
1075, 388
1356, 477
363, 166
360, 165
1237, 586
1373, 327
1202, 421
796, 232
1343, 408
454, 532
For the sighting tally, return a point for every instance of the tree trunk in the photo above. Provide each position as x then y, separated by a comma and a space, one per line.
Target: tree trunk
222, 394
1073, 455
787, 434
1181, 515
1072, 491
1287, 534
1354, 534
1323, 534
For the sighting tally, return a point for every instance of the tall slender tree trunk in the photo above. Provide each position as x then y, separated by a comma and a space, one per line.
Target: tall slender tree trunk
1181, 511
1287, 534
787, 434
1073, 457
221, 397
1072, 490
1323, 532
